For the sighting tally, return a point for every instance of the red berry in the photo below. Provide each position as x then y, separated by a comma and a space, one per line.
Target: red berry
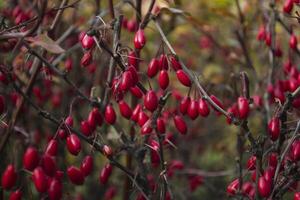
55, 189
31, 158
247, 187
274, 128
110, 193
142, 118
39, 179
203, 108
297, 196
160, 124
163, 79
136, 92
136, 112
95, 116
175, 63
49, 165
192, 110
216, 101
132, 60
85, 128
183, 78
87, 42
273, 160
153, 68
69, 121
261, 35
9, 177
105, 173
134, 74
146, 129
75, 175
180, 124
184, 104
296, 150
73, 144
269, 174
163, 62
15, 195
125, 110
139, 39
288, 6
52, 148
151, 101
264, 188
126, 81
86, 59
251, 163
68, 64
107, 151
243, 107
268, 39
87, 165
233, 187
293, 42
110, 114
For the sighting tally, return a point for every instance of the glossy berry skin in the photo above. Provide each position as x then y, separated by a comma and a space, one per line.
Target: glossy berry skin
288, 6
110, 114
269, 174
15, 195
163, 79
251, 163
142, 118
55, 189
247, 187
75, 175
48, 164
126, 81
264, 188
87, 165
160, 125
183, 78
69, 121
293, 42
136, 112
134, 75
87, 42
139, 39
150, 101
203, 108
192, 110
243, 107
273, 160
9, 177
52, 147
105, 173
163, 62
135, 91
295, 150
184, 104
30, 158
86, 59
274, 128
73, 144
96, 117
216, 101
233, 187
297, 196
153, 68
85, 128
175, 63
180, 124
125, 110
40, 180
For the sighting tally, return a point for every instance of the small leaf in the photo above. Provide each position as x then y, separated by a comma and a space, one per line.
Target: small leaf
45, 42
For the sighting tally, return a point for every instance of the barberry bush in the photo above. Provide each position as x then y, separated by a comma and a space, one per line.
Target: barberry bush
149, 99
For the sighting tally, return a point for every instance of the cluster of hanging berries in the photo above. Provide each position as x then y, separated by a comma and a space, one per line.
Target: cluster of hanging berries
45, 175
